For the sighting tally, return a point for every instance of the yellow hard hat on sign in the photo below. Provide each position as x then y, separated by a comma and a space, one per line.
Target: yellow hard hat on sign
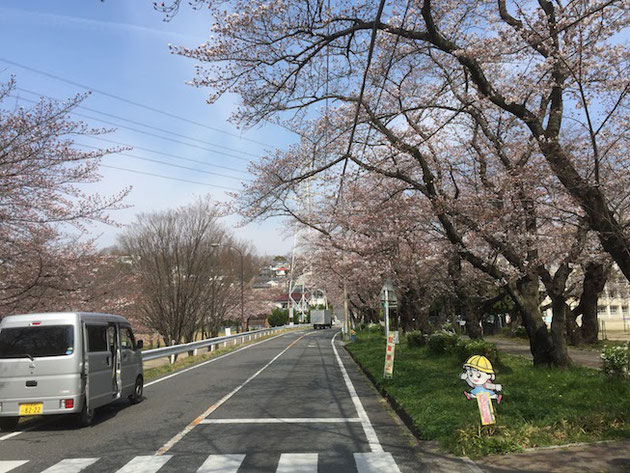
481, 363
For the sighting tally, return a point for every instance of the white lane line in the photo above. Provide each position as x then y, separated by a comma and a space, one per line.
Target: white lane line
297, 463
375, 463
285, 420
168, 445
370, 433
221, 464
159, 380
36, 424
145, 464
70, 465
8, 465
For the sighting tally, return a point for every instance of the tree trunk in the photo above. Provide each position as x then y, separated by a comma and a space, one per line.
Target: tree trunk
463, 304
574, 332
595, 276
560, 353
473, 328
601, 217
525, 294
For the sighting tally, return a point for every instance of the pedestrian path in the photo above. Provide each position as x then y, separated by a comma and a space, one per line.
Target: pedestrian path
590, 359
288, 463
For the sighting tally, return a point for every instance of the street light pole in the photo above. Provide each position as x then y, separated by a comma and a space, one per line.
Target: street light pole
216, 245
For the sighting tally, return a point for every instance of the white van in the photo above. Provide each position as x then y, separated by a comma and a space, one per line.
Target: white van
66, 363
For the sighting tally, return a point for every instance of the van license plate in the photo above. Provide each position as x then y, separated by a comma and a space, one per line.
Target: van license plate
31, 409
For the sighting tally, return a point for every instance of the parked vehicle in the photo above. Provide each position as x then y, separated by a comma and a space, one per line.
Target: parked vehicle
66, 363
321, 318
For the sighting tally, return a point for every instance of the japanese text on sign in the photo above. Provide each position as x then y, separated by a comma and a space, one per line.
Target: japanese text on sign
389, 355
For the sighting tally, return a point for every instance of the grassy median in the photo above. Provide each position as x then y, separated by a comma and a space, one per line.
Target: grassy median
540, 407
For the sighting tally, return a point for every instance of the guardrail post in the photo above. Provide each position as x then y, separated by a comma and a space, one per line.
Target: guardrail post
195, 351
172, 357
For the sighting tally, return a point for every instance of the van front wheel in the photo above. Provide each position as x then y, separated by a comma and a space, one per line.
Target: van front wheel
136, 397
8, 423
86, 416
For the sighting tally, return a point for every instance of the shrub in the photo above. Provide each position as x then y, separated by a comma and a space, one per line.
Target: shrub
442, 342
278, 317
616, 360
448, 327
467, 348
375, 328
416, 339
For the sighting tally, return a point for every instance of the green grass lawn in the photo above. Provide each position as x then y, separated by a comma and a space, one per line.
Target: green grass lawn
540, 406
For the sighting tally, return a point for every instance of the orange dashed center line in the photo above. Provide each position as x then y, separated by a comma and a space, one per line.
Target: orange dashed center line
168, 445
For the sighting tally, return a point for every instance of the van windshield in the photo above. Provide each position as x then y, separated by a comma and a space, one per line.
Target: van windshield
29, 342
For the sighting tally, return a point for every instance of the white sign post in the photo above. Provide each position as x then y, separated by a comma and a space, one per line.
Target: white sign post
388, 297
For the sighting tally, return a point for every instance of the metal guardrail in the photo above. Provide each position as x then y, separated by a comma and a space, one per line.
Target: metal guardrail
210, 343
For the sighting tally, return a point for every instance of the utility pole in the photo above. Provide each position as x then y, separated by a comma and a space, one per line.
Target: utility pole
346, 328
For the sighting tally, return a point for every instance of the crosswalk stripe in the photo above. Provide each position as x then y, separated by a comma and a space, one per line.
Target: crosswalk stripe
8, 465
375, 463
221, 464
70, 465
289, 463
145, 464
297, 463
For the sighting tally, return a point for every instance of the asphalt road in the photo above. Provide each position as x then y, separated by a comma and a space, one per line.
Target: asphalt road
295, 403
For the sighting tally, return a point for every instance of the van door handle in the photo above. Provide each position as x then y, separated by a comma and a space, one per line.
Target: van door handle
107, 361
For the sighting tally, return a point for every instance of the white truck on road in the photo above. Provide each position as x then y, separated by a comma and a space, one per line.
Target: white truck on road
321, 318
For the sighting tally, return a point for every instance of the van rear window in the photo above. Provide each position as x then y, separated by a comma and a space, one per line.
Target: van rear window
47, 340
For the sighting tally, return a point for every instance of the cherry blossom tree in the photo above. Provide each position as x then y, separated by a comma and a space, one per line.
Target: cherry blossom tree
42, 206
481, 110
557, 70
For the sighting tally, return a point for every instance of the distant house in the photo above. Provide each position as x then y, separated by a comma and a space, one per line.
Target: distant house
284, 301
282, 271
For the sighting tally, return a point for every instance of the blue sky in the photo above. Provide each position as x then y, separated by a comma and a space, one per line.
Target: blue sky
121, 47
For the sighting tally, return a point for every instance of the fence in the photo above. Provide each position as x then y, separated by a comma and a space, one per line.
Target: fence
210, 343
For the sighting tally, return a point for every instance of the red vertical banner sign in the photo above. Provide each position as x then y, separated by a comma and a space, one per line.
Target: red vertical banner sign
486, 411
389, 355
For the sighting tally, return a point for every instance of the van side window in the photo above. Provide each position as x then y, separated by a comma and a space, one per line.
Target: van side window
126, 339
97, 338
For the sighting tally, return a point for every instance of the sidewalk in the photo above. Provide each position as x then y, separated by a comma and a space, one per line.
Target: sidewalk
590, 359
602, 457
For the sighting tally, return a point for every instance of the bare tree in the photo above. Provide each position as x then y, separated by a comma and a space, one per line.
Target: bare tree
184, 288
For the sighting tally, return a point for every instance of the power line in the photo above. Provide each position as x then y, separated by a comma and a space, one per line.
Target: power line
169, 178
131, 102
149, 150
163, 130
148, 133
164, 163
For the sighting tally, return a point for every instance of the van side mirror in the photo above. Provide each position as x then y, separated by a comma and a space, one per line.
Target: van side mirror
139, 345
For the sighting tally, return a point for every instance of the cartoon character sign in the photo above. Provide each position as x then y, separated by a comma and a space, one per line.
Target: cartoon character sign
479, 374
